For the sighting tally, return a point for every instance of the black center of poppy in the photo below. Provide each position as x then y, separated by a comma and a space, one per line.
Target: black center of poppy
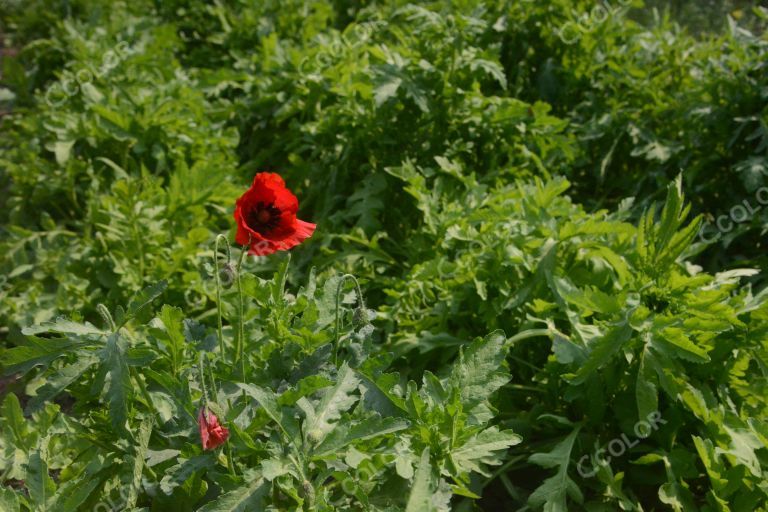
263, 218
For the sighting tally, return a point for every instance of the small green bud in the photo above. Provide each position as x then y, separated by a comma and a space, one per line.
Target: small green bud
360, 318
314, 436
227, 275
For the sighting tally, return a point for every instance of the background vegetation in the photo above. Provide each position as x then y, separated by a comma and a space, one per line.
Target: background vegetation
556, 212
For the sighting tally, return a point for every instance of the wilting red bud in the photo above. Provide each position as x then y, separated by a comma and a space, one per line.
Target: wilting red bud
212, 434
266, 217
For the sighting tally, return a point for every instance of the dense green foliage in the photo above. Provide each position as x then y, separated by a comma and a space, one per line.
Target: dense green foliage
556, 213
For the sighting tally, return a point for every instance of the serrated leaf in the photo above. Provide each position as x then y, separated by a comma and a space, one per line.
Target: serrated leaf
603, 350
334, 402
479, 370
683, 346
135, 463
552, 494
37, 352
119, 386
484, 449
59, 381
143, 299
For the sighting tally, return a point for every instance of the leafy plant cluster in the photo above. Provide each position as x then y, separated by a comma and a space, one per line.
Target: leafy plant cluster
537, 322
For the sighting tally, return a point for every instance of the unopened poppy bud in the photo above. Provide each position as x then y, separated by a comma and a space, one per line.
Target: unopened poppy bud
360, 318
227, 275
309, 492
314, 436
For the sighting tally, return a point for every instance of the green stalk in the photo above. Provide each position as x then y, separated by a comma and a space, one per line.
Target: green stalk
241, 320
218, 287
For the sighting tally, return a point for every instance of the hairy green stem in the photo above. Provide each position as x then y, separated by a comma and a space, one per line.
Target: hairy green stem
218, 286
241, 320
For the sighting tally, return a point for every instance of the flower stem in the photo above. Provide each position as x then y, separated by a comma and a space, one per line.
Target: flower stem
218, 286
241, 320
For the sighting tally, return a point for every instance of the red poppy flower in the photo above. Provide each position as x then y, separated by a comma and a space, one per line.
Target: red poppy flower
266, 217
212, 434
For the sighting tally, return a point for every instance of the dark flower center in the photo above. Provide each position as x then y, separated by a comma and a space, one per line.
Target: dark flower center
263, 218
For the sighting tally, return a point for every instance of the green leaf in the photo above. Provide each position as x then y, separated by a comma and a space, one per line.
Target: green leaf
37, 352
646, 391
243, 499
119, 386
485, 448
39, 483
368, 428
135, 463
268, 402
420, 498
180, 473
71, 494
64, 326
479, 371
9, 500
335, 401
602, 351
59, 381
14, 418
683, 346
142, 300
553, 493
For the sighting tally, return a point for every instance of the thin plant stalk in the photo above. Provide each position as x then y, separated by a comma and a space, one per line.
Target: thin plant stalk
218, 287
241, 320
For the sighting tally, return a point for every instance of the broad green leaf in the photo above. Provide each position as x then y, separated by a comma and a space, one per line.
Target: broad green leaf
9, 501
268, 401
422, 488
243, 499
14, 418
64, 326
39, 483
180, 473
368, 428
37, 351
71, 494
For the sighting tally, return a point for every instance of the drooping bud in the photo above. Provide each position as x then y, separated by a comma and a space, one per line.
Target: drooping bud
227, 275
